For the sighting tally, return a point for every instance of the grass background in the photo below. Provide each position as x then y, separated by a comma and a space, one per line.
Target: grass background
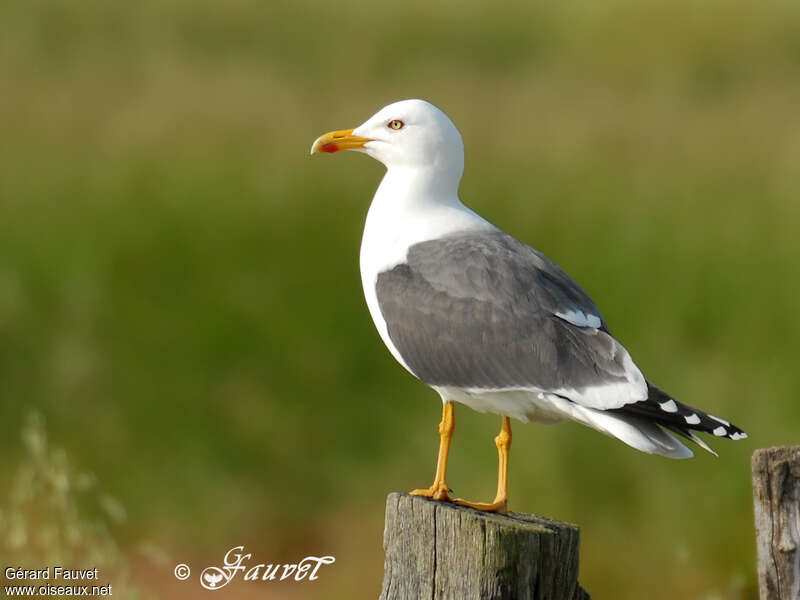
166, 254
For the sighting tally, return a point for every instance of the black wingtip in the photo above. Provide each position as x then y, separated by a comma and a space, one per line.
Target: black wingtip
663, 409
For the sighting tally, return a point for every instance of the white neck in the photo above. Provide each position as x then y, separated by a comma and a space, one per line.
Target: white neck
411, 206
416, 185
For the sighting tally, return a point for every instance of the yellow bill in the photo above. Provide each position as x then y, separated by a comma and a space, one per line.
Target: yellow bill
334, 141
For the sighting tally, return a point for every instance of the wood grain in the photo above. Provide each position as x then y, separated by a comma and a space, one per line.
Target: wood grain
776, 495
436, 550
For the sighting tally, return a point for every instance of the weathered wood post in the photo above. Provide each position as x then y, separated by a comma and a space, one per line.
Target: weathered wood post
440, 550
776, 495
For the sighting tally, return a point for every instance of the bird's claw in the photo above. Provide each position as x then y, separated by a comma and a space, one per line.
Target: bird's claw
442, 493
438, 491
499, 506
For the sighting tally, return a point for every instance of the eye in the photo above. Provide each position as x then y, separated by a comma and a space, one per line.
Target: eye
395, 124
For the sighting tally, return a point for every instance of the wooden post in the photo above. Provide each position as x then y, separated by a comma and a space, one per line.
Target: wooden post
439, 550
776, 494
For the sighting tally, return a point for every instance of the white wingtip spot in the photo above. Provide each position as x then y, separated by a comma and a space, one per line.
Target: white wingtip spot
719, 431
692, 419
669, 406
738, 436
580, 318
718, 420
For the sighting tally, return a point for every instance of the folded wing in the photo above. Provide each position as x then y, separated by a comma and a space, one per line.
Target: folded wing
483, 311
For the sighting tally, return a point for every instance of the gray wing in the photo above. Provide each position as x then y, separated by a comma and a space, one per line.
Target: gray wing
484, 311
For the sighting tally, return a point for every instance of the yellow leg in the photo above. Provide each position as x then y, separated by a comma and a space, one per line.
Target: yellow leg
500, 504
439, 489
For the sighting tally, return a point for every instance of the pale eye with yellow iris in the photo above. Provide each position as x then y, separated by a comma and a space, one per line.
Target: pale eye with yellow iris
395, 124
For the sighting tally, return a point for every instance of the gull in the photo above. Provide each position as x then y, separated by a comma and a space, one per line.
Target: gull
484, 319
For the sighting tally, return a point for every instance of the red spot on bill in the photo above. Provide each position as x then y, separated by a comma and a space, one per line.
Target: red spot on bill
330, 147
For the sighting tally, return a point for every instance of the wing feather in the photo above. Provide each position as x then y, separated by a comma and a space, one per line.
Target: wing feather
484, 311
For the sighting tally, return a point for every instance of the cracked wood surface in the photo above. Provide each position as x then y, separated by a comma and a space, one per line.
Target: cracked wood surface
776, 497
435, 550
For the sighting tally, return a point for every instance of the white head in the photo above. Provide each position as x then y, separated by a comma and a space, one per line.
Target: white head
410, 134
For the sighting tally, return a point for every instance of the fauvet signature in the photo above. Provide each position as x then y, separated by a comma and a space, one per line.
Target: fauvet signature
236, 561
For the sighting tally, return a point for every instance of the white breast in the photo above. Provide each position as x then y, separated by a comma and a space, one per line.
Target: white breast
395, 222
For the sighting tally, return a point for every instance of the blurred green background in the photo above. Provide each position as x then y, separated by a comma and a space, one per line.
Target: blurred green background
179, 286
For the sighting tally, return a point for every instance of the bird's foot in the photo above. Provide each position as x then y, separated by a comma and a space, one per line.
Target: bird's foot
438, 491
500, 505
